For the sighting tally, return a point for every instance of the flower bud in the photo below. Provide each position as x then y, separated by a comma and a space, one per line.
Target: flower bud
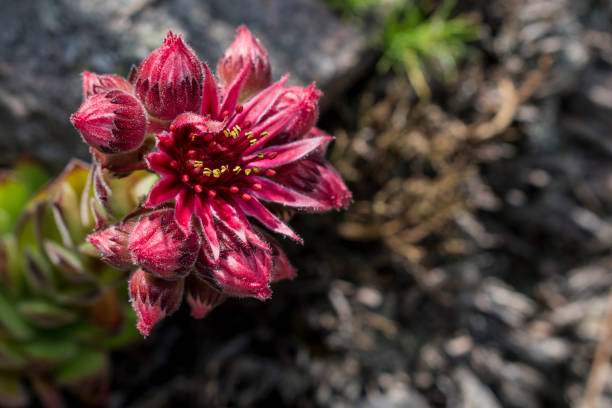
169, 80
201, 296
153, 298
158, 245
94, 84
241, 270
245, 49
113, 122
112, 244
304, 101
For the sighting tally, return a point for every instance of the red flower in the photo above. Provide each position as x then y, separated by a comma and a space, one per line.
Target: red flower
251, 151
220, 166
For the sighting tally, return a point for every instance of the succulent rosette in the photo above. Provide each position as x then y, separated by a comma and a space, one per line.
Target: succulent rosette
60, 309
227, 154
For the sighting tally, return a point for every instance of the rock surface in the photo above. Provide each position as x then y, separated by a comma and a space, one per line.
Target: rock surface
45, 44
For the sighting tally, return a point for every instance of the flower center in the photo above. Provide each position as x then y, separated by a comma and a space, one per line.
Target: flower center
211, 162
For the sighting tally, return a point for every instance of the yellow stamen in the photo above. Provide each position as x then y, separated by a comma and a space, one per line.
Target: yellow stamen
247, 171
207, 172
264, 134
197, 163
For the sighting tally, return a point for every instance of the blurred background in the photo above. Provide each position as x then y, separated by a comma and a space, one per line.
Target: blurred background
473, 268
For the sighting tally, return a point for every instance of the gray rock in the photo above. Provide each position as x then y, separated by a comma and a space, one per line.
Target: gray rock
45, 44
474, 394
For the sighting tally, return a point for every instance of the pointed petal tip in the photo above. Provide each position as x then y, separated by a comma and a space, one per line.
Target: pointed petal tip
264, 294
143, 328
199, 312
73, 119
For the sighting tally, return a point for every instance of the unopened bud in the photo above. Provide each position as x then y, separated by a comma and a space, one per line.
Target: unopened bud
94, 84
169, 80
241, 271
112, 244
201, 296
304, 101
245, 50
158, 245
153, 298
113, 122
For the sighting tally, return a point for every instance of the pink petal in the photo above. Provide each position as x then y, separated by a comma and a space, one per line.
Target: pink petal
202, 210
251, 236
286, 153
256, 107
165, 142
210, 96
233, 90
228, 215
184, 210
256, 210
160, 163
274, 125
165, 189
277, 193
315, 132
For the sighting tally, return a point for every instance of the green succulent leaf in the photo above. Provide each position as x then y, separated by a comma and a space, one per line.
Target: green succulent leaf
68, 264
11, 276
11, 357
81, 295
85, 364
45, 314
126, 193
12, 321
65, 212
33, 175
13, 197
38, 271
52, 351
